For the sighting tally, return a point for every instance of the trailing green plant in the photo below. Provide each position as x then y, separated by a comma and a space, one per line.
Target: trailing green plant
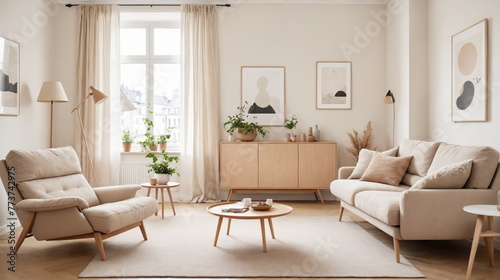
163, 138
162, 166
239, 122
127, 136
291, 123
149, 139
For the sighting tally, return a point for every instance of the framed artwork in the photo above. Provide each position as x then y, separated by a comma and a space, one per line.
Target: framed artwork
469, 74
9, 77
333, 85
263, 88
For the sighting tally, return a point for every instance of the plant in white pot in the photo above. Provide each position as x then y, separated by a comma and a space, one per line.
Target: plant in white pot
162, 167
245, 130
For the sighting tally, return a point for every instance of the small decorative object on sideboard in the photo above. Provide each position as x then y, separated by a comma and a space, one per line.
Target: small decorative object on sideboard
290, 124
245, 130
310, 137
316, 133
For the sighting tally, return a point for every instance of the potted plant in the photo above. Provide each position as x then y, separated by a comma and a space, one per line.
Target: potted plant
245, 130
162, 140
290, 124
162, 167
127, 139
149, 140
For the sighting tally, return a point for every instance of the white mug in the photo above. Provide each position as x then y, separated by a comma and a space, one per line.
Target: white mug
246, 202
269, 201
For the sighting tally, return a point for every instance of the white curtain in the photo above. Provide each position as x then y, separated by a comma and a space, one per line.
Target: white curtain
98, 66
199, 160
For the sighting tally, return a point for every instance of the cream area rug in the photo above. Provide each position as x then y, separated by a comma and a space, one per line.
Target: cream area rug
305, 246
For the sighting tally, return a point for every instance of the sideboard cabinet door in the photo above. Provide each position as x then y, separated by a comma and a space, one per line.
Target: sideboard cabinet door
278, 166
317, 165
239, 165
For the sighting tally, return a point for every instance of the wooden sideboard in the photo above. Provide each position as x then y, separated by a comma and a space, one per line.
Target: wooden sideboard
277, 166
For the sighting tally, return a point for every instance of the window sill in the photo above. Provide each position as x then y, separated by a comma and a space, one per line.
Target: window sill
132, 153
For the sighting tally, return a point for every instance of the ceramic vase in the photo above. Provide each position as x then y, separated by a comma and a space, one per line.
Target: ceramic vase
316, 133
162, 179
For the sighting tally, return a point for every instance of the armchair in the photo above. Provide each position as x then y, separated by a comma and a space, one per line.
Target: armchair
54, 201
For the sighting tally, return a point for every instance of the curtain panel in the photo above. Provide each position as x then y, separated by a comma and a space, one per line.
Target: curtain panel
99, 66
199, 161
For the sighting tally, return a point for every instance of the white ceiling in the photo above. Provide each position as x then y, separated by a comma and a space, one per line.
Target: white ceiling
156, 2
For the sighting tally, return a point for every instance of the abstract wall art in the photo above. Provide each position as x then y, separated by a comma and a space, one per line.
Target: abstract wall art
333, 85
9, 77
469, 74
263, 88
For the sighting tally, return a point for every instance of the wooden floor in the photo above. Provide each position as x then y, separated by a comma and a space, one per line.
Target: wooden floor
438, 260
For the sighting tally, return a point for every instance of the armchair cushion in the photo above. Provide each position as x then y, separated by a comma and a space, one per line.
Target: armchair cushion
109, 217
38, 205
46, 163
116, 193
69, 185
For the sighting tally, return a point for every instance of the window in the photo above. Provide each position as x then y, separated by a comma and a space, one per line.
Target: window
150, 73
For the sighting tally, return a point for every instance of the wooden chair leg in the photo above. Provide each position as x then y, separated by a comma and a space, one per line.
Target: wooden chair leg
100, 246
26, 230
396, 248
341, 212
143, 230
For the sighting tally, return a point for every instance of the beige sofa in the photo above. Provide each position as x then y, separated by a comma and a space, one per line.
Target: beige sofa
54, 201
427, 203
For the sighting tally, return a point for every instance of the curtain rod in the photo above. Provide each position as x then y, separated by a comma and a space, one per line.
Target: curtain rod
150, 5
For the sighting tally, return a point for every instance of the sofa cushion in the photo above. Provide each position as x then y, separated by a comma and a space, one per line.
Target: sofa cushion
70, 185
483, 169
109, 217
422, 152
46, 163
385, 169
365, 156
410, 179
453, 176
346, 190
381, 205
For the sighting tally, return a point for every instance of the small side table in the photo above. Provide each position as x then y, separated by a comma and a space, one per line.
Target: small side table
161, 188
482, 211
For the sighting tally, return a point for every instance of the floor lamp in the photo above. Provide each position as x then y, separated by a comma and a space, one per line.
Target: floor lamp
52, 91
389, 99
98, 97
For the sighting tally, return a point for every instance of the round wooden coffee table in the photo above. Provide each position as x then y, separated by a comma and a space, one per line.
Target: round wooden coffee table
276, 210
161, 188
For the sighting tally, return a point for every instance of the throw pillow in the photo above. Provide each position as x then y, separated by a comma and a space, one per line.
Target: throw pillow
386, 169
452, 176
365, 156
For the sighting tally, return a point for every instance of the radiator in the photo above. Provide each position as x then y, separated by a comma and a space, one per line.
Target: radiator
133, 173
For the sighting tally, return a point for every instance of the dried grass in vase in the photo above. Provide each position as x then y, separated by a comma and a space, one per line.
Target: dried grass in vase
359, 143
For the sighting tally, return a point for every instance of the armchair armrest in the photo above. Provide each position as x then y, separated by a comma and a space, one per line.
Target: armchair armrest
345, 172
50, 204
116, 193
435, 214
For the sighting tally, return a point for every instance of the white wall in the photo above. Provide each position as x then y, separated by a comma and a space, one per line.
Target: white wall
297, 36
30, 23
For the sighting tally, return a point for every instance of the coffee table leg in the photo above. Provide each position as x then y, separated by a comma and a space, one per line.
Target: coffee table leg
271, 227
218, 230
162, 203
490, 242
171, 201
263, 229
156, 197
475, 242
228, 226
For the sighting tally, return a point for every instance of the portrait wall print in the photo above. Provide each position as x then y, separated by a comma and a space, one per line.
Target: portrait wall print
264, 90
469, 74
333, 85
9, 77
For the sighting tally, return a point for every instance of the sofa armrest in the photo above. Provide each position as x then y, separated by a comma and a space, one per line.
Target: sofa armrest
433, 214
345, 172
116, 193
50, 204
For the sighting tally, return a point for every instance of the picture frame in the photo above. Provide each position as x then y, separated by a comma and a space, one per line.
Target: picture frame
263, 88
469, 76
9, 77
333, 85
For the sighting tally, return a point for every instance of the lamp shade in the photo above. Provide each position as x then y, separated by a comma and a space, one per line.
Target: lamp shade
98, 95
389, 98
52, 91
127, 105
